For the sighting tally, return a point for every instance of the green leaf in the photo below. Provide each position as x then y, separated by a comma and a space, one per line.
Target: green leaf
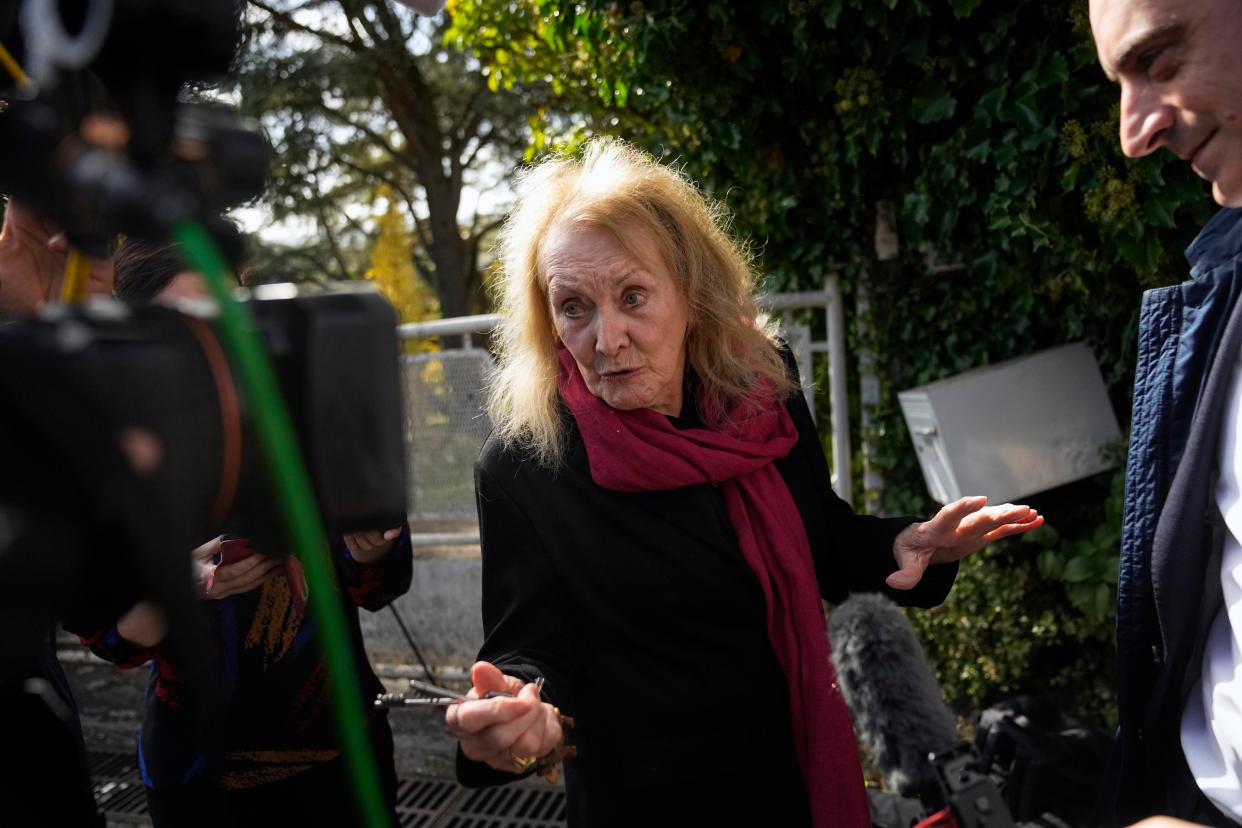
1156, 213
1055, 71
1101, 602
915, 50
1078, 569
963, 8
1070, 177
1051, 564
1081, 596
1028, 115
979, 152
830, 12
990, 102
940, 109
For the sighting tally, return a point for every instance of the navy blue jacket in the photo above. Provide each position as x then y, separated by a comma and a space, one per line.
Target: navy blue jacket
1168, 589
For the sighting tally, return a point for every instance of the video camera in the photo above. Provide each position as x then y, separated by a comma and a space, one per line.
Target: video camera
125, 439
98, 139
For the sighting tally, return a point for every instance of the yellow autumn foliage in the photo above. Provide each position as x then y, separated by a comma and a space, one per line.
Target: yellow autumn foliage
393, 272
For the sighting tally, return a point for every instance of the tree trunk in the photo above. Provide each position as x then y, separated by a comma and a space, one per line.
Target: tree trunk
448, 250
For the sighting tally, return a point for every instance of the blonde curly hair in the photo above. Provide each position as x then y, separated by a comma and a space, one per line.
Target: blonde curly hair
616, 187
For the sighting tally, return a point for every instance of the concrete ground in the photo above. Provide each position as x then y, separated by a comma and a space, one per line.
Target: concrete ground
110, 701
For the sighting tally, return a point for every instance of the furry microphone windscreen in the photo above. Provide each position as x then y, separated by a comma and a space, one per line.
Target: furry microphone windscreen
899, 712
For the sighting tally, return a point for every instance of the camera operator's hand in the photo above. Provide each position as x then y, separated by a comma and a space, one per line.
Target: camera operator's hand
369, 547
959, 529
33, 255
222, 580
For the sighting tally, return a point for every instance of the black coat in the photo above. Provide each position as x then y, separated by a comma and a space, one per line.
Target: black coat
648, 626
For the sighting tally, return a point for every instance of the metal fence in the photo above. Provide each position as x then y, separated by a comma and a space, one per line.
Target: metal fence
446, 418
445, 426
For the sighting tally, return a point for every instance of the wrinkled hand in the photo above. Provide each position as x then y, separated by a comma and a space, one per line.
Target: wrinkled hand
368, 547
505, 733
220, 581
959, 529
33, 254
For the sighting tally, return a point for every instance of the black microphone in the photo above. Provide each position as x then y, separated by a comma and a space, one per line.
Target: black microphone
899, 713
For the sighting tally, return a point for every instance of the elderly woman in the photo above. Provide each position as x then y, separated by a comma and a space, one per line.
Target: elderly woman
658, 525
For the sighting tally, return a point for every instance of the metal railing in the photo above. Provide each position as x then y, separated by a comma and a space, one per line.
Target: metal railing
833, 344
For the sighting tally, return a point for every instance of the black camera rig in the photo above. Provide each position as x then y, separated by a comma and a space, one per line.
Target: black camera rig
97, 136
126, 436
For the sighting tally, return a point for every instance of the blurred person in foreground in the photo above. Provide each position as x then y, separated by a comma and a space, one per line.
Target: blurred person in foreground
658, 523
1179, 616
33, 259
279, 761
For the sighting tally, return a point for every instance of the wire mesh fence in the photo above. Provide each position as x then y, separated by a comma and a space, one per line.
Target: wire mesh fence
446, 424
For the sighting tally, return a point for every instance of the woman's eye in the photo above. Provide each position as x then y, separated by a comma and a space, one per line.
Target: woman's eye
632, 299
571, 309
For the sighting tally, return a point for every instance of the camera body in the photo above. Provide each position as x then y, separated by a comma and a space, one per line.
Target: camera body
162, 372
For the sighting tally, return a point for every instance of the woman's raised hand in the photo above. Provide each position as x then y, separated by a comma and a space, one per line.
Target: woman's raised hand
507, 732
959, 529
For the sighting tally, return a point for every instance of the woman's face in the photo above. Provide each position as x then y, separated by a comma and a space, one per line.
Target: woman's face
623, 319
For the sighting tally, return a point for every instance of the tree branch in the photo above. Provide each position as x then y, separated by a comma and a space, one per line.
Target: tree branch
468, 112
299, 254
374, 137
288, 20
413, 107
420, 227
477, 235
393, 26
322, 215
351, 12
483, 141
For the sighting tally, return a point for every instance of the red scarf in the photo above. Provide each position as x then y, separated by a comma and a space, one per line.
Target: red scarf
638, 451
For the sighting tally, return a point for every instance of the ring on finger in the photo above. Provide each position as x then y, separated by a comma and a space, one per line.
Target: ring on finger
522, 762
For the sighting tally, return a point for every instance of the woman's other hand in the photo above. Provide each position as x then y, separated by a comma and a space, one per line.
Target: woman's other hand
368, 547
959, 529
509, 733
222, 580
